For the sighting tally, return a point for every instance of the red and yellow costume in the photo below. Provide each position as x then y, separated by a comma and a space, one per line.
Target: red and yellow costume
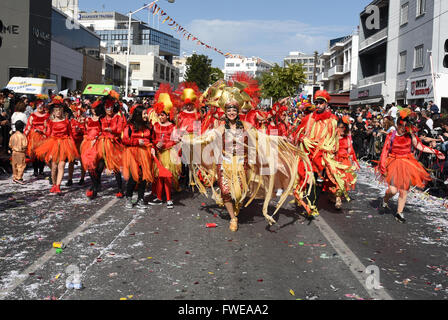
60, 146
137, 159
165, 154
347, 157
317, 135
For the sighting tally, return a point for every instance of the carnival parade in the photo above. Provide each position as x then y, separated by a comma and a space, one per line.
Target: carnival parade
130, 171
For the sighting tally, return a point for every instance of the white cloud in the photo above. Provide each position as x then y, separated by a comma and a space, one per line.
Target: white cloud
270, 39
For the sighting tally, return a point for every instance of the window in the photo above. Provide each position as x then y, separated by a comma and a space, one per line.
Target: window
404, 14
157, 68
418, 57
421, 7
230, 65
135, 66
402, 62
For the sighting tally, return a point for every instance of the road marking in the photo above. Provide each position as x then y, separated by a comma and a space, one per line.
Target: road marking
107, 248
50, 253
350, 259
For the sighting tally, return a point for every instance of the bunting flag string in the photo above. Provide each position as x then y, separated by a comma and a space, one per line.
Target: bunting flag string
157, 10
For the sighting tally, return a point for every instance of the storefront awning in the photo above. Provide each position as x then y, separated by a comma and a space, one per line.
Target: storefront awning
363, 102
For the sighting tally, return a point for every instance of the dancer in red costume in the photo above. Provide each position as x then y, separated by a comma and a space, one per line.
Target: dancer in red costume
89, 148
109, 145
78, 130
137, 157
318, 136
398, 166
35, 132
59, 147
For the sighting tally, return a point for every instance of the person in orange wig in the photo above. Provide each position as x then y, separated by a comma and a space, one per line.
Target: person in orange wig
398, 166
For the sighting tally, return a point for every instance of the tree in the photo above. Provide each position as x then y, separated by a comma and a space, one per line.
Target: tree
282, 82
216, 75
199, 70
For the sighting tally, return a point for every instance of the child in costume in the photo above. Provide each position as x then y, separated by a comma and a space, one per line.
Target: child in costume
18, 144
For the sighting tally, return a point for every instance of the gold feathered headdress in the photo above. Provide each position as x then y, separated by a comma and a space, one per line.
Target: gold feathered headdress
223, 96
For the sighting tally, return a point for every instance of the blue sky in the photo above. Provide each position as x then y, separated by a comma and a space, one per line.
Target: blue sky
268, 29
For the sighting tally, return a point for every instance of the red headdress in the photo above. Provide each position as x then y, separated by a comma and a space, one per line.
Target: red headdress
346, 120
322, 94
253, 90
189, 93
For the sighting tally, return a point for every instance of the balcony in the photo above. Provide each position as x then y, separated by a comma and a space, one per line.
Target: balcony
380, 35
337, 70
347, 68
372, 80
323, 76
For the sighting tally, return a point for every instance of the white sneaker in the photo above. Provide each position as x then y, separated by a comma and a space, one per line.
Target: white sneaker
170, 204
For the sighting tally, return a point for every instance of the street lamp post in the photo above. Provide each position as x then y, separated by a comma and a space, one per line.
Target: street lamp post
129, 40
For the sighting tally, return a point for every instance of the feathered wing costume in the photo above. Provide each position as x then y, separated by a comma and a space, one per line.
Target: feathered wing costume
246, 163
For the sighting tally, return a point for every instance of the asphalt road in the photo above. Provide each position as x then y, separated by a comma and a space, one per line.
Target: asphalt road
170, 254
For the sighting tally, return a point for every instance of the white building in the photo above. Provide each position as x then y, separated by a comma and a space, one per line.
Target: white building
254, 66
403, 60
340, 65
181, 64
148, 72
307, 62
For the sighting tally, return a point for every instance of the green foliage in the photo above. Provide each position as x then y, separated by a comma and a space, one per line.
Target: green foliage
216, 75
282, 82
199, 70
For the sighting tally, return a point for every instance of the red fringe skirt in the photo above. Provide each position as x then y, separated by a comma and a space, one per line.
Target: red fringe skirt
111, 151
35, 139
89, 155
137, 161
403, 172
57, 150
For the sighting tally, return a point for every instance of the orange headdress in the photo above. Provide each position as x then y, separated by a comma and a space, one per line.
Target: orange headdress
57, 100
